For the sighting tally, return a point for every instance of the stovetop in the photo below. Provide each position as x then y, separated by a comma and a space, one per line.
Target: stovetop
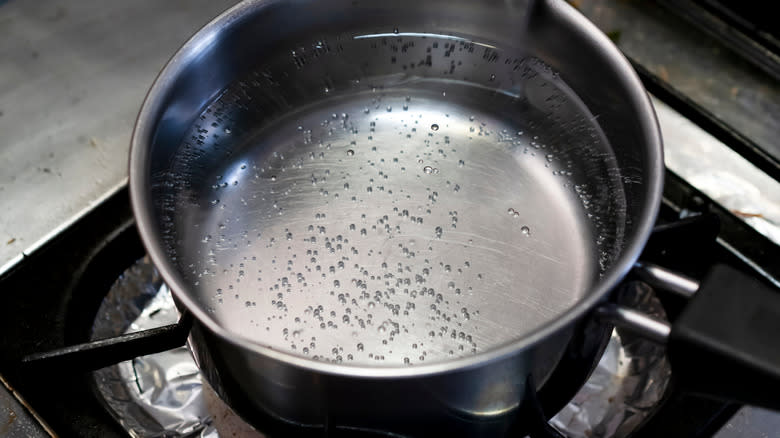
67, 211
53, 297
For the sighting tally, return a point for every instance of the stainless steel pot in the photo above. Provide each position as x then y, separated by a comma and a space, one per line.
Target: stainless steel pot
284, 122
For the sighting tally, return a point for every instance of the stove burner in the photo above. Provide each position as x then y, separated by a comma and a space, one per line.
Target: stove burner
48, 326
628, 382
164, 393
161, 394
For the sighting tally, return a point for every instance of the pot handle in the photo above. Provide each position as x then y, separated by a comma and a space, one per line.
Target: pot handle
726, 342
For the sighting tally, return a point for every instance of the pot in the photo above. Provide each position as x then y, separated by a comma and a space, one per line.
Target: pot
398, 217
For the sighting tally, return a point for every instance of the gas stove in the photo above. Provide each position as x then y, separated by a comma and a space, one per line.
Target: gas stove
93, 343
93, 291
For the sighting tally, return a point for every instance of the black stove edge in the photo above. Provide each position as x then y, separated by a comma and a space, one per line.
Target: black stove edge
739, 33
752, 252
23, 420
48, 275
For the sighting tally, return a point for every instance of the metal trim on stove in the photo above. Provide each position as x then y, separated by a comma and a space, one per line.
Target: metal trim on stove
708, 121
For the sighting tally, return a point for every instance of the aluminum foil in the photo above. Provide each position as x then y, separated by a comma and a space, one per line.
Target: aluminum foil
164, 395
719, 172
628, 382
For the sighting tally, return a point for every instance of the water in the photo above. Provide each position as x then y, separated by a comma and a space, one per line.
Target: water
384, 234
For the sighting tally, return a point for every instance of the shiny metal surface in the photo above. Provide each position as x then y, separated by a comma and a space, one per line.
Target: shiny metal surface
72, 77
635, 321
173, 188
482, 400
412, 228
665, 279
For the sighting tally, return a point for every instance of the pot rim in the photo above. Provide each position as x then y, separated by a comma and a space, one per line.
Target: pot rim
143, 208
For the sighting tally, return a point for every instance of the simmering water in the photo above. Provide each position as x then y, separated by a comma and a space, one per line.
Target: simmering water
391, 220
